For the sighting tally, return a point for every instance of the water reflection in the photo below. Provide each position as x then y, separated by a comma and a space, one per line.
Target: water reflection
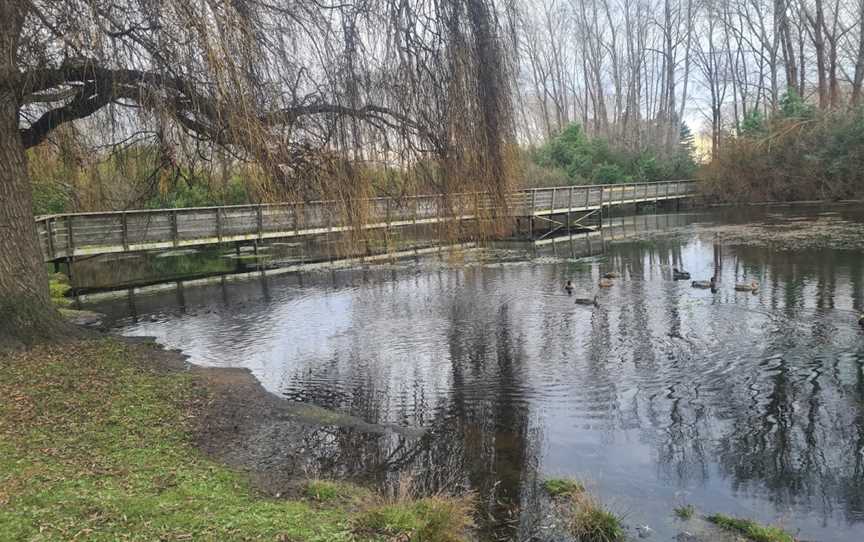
740, 403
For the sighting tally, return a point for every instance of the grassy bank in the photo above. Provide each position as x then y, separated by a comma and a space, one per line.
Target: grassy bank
96, 445
750, 529
588, 520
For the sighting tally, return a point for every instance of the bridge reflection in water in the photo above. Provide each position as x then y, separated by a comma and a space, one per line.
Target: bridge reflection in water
132, 275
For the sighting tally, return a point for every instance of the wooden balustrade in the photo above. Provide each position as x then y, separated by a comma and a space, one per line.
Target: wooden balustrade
80, 234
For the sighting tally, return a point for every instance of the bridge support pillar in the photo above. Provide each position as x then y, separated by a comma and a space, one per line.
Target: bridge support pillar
69, 263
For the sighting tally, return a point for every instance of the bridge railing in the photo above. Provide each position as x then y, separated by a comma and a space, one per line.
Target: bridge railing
79, 234
548, 200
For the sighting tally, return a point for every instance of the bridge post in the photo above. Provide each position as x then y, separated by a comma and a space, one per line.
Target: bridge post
387, 213
387, 240
259, 217
219, 224
70, 242
50, 232
531, 214
414, 220
476, 215
602, 209
175, 235
70, 251
125, 224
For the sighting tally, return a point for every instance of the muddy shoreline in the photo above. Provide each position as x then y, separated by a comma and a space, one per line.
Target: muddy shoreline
241, 424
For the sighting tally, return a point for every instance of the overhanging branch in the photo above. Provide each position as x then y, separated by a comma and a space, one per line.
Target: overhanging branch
92, 87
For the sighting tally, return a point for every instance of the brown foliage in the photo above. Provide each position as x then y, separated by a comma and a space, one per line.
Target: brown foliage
792, 159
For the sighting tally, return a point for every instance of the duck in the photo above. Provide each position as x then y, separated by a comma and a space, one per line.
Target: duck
704, 283
568, 287
751, 286
678, 274
612, 275
606, 283
587, 301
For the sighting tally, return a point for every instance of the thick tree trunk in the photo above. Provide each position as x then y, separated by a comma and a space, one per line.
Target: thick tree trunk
27, 314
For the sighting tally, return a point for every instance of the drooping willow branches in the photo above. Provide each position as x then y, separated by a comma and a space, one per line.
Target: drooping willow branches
312, 91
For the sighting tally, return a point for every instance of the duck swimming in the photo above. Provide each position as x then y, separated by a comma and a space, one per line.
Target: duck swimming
605, 283
568, 287
751, 286
678, 274
612, 275
587, 301
705, 283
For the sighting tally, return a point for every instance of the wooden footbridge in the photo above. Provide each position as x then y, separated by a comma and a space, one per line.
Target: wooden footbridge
70, 235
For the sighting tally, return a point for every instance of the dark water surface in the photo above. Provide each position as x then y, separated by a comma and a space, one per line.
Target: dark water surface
744, 404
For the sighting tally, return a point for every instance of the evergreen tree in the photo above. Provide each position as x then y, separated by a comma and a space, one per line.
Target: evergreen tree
686, 141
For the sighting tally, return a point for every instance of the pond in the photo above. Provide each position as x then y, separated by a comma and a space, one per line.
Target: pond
749, 404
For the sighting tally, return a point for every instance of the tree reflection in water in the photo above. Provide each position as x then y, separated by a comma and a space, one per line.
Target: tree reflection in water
749, 404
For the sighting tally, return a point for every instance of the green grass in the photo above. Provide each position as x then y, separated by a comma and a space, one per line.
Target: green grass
588, 519
562, 487
58, 286
591, 522
432, 519
751, 529
95, 446
685, 511
330, 491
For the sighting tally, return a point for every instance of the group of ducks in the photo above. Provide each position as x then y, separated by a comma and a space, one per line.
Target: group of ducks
751, 286
608, 280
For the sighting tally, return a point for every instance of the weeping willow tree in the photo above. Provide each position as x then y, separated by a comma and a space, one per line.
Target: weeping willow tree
308, 90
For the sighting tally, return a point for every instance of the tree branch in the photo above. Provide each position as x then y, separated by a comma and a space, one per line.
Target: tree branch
95, 87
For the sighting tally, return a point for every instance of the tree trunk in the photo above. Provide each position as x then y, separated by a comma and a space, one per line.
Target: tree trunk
27, 314
859, 64
819, 44
782, 23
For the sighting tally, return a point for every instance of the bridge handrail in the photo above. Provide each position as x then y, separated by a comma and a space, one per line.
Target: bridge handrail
40, 218
68, 235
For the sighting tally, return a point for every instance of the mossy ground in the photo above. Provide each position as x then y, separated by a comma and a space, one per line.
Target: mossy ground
58, 286
685, 511
95, 446
561, 487
750, 529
